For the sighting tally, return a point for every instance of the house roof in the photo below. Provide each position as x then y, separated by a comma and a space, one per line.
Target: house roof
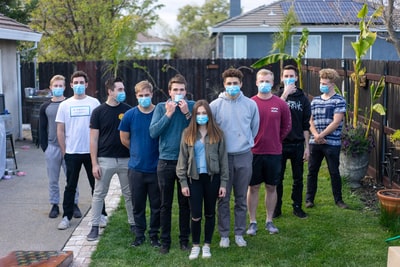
316, 15
143, 38
11, 29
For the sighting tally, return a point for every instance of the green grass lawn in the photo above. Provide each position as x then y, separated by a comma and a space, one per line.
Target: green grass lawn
329, 236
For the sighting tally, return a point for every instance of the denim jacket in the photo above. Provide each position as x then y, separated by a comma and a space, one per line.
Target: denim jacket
216, 158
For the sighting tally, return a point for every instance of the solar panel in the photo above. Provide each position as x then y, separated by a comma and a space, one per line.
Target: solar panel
325, 12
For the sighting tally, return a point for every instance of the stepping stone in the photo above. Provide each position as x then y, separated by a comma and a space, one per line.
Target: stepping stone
37, 259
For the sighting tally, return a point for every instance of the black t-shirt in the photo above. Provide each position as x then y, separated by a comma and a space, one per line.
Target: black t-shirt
106, 119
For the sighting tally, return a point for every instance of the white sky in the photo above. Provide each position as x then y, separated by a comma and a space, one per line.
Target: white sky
171, 7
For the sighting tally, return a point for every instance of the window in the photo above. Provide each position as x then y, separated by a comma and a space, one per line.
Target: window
313, 49
235, 46
348, 51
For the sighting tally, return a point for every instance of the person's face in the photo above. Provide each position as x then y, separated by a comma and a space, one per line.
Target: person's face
118, 87
326, 82
177, 89
58, 84
264, 79
78, 80
288, 74
229, 81
201, 111
144, 93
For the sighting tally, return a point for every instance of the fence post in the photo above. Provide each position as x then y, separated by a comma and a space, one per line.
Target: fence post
383, 124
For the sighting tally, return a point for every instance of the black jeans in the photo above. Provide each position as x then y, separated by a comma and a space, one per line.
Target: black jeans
293, 152
166, 172
73, 163
205, 189
142, 185
317, 154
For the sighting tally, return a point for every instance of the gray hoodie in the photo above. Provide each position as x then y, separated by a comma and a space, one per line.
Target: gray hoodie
239, 119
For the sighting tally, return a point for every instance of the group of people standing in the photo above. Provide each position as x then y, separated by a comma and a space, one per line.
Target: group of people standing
235, 143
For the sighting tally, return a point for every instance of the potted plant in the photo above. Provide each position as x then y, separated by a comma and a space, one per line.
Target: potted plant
389, 200
357, 138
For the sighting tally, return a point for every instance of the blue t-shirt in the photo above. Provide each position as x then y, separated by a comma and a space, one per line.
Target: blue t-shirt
323, 111
143, 148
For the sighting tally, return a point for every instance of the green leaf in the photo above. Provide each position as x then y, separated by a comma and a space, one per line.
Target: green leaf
378, 108
363, 12
377, 92
270, 59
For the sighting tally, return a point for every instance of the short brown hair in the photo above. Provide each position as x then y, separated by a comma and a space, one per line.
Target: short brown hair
79, 73
110, 83
329, 74
232, 72
291, 67
57, 78
178, 78
143, 85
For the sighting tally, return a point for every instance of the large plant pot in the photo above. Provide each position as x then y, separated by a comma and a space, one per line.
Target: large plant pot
390, 200
353, 169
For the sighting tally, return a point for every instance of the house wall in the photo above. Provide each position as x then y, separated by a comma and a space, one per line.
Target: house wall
9, 81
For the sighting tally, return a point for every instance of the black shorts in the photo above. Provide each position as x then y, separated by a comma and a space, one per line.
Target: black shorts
267, 169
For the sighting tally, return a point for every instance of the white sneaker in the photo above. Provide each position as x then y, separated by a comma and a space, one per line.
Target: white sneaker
194, 254
224, 243
64, 224
240, 241
103, 221
206, 252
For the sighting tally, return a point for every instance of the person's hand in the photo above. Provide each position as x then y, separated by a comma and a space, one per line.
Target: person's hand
183, 106
170, 107
306, 154
222, 192
185, 191
288, 90
96, 171
319, 139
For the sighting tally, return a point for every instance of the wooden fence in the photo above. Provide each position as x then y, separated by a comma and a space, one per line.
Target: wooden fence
205, 82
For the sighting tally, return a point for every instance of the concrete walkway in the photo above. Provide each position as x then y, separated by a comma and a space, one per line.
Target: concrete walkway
24, 208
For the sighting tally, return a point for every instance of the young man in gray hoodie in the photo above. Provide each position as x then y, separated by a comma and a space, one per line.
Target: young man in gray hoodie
238, 117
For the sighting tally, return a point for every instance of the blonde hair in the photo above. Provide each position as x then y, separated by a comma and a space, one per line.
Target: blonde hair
329, 74
143, 85
57, 78
265, 72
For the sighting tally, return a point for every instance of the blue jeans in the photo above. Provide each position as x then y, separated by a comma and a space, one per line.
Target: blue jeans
294, 153
166, 172
317, 154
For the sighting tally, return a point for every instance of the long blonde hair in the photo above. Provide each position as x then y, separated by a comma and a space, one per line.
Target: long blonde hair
214, 133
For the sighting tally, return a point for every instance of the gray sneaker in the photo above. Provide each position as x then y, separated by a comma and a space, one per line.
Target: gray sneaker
269, 226
64, 224
103, 221
94, 234
252, 229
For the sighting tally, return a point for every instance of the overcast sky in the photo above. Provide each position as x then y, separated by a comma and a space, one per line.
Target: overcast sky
170, 10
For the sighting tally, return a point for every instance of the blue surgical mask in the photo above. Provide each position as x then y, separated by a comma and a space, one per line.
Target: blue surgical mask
289, 81
232, 90
58, 91
120, 97
324, 89
201, 119
178, 98
264, 88
79, 89
144, 101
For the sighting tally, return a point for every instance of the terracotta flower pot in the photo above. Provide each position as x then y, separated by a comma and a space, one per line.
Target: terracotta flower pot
390, 200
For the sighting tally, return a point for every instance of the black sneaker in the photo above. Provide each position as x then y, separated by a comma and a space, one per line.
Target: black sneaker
154, 242
133, 228
185, 246
77, 212
164, 249
94, 234
54, 212
309, 204
138, 241
299, 213
341, 205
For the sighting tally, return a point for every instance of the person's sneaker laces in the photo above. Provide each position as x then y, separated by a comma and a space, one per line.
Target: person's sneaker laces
64, 224
206, 252
341, 204
103, 221
154, 242
252, 229
94, 234
77, 212
194, 254
299, 213
309, 204
224, 243
270, 227
240, 241
138, 241
54, 212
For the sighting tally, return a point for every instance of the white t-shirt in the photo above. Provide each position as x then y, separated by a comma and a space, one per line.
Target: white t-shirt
75, 114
